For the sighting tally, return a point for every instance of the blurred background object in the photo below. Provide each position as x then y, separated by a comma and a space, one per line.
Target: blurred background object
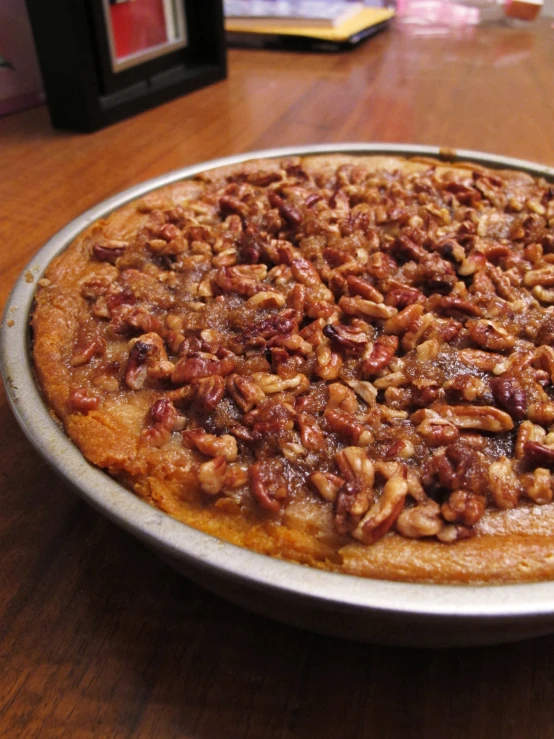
20, 80
433, 17
339, 24
138, 31
524, 10
105, 60
314, 25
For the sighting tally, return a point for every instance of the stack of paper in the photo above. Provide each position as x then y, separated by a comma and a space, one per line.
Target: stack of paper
330, 21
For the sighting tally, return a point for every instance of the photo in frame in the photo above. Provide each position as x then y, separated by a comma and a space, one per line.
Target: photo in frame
104, 60
142, 30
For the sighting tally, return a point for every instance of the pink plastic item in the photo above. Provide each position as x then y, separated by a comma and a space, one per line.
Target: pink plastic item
436, 13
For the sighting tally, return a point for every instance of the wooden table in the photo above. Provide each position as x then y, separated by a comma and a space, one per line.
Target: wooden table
98, 638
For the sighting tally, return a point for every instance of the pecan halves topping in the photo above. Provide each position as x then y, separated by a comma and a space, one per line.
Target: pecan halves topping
435, 429
436, 274
354, 464
358, 286
211, 475
245, 279
543, 294
251, 245
465, 387
379, 342
109, 250
293, 343
353, 500
230, 205
82, 400
543, 277
138, 319
504, 485
478, 359
270, 384
479, 417
327, 485
541, 413
536, 454
211, 445
310, 432
463, 507
383, 513
400, 297
123, 297
348, 428
266, 299
88, 346
538, 486
209, 391
245, 392
278, 324
162, 421
268, 485
136, 369
329, 363
379, 355
544, 359
364, 389
305, 273
405, 320
510, 395
289, 212
527, 432
420, 521
359, 307
347, 339
490, 335
147, 359
451, 304
195, 368
342, 398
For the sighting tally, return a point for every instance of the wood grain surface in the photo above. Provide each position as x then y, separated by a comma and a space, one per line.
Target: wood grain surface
98, 638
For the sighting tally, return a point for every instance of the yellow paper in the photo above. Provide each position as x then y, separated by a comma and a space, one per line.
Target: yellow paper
364, 19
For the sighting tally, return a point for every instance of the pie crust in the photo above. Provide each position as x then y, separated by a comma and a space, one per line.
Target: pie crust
344, 361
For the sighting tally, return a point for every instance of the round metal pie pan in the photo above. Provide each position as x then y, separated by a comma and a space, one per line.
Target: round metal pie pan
343, 605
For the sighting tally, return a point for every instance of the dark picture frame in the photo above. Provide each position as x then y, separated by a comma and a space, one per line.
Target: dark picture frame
90, 85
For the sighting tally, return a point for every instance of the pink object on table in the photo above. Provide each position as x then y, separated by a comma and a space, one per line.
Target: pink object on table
436, 13
20, 79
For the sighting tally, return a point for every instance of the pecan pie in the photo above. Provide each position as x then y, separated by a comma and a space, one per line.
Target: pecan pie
345, 361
